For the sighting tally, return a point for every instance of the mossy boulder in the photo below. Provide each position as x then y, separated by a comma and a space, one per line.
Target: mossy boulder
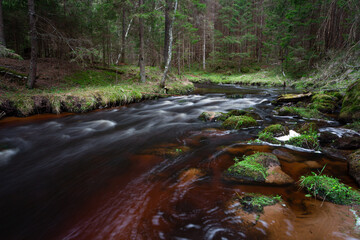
211, 116
323, 103
249, 113
257, 168
350, 110
277, 130
354, 166
238, 122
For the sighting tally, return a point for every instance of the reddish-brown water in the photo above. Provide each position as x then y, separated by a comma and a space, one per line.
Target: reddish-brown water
121, 174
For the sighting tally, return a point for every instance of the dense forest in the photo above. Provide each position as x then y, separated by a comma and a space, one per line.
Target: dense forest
204, 34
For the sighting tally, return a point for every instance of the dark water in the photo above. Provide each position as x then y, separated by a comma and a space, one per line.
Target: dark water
113, 174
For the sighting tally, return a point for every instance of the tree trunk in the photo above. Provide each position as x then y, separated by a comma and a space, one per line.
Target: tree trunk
163, 79
167, 28
123, 36
204, 44
141, 36
34, 46
2, 36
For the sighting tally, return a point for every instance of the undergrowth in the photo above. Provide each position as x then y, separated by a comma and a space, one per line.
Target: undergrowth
329, 189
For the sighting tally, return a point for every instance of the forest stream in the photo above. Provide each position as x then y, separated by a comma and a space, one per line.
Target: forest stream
121, 173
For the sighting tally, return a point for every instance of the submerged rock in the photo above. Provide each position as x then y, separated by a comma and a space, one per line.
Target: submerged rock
191, 175
354, 166
258, 168
238, 122
210, 116
251, 208
339, 138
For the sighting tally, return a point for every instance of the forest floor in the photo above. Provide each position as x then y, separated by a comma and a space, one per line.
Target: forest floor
65, 87
263, 77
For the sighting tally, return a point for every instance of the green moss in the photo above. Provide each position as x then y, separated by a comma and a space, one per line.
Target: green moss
309, 141
301, 112
238, 122
276, 130
330, 189
253, 167
248, 169
324, 103
350, 110
268, 137
253, 202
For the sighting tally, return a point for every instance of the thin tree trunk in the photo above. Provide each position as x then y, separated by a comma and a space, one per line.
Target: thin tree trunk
167, 28
204, 44
34, 46
163, 79
2, 36
123, 37
141, 36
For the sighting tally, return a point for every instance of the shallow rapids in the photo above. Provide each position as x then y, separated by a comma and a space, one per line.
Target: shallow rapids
119, 174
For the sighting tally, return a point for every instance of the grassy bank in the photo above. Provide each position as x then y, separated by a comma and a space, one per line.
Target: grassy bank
265, 77
87, 90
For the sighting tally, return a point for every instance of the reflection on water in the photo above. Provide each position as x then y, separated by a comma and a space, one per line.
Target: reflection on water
122, 173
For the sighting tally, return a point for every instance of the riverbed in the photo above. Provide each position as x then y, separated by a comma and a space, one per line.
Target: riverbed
116, 174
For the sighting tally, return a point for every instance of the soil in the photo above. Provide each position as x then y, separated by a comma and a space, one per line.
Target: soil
50, 71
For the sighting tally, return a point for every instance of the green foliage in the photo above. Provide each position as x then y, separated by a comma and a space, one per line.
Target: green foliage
253, 202
330, 189
237, 122
268, 137
309, 141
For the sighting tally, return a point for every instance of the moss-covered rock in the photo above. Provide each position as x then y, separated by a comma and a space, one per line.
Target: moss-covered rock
268, 137
354, 166
253, 202
308, 127
238, 122
292, 98
350, 110
249, 113
259, 167
330, 189
277, 130
324, 103
211, 116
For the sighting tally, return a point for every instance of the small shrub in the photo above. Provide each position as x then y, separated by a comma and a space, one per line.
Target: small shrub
330, 189
245, 69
